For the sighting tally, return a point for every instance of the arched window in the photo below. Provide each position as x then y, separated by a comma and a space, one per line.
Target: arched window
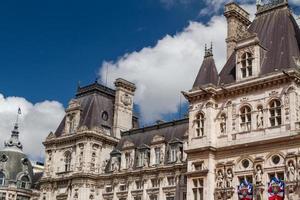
275, 112
246, 61
200, 125
2, 178
24, 182
68, 159
245, 115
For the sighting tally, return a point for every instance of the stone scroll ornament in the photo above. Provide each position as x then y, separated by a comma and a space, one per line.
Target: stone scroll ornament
245, 191
276, 189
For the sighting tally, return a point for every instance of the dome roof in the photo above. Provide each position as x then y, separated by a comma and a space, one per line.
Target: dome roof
14, 164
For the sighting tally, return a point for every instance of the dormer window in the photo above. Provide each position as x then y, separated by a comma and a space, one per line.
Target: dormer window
173, 154
68, 159
246, 68
24, 182
200, 125
71, 124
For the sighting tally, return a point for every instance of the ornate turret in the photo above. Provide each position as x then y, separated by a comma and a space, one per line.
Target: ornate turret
208, 73
14, 143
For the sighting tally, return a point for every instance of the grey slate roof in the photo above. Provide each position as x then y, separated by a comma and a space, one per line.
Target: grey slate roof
279, 34
93, 100
144, 136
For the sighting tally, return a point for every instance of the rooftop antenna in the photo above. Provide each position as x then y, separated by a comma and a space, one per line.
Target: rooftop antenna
180, 106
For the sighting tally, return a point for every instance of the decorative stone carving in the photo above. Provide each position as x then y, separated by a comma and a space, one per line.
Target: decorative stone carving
220, 179
223, 124
179, 155
104, 164
115, 164
291, 172
258, 175
162, 155
229, 178
126, 100
260, 118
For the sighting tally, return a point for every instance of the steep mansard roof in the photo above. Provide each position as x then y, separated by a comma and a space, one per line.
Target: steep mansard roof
279, 34
208, 73
93, 100
169, 131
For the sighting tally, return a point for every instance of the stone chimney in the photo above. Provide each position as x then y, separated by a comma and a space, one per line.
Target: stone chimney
123, 112
237, 23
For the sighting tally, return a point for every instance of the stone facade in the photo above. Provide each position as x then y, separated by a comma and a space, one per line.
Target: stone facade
243, 124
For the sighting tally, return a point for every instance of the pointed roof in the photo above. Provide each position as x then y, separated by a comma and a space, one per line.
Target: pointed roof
278, 34
14, 144
208, 73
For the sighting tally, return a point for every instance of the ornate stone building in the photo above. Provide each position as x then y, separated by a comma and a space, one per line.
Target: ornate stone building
17, 179
243, 124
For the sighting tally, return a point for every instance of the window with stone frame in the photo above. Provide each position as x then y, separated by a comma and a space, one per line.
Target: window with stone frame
157, 155
198, 189
248, 178
279, 175
275, 112
171, 180
155, 183
199, 124
247, 65
170, 198
71, 123
2, 196
141, 158
108, 189
24, 182
67, 161
21, 197
137, 198
173, 153
123, 187
139, 185
2, 178
127, 160
153, 197
245, 117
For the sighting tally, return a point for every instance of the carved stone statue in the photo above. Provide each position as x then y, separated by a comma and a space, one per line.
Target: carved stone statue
178, 155
229, 178
260, 118
220, 179
258, 175
104, 165
291, 175
115, 164
223, 124
162, 156
145, 162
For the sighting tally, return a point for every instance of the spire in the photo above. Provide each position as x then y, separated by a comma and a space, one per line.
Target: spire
208, 73
14, 143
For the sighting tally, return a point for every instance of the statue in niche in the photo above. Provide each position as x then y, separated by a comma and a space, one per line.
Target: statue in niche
179, 157
104, 164
258, 175
162, 155
115, 164
229, 178
220, 179
260, 118
223, 124
291, 174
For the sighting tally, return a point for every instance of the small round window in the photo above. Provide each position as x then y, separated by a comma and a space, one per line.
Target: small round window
105, 116
276, 159
245, 163
3, 158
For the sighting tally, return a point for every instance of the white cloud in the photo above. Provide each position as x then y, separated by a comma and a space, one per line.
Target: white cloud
36, 122
169, 67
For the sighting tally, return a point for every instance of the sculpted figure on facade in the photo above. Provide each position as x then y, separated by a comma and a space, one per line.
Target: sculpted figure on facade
162, 155
220, 179
115, 164
291, 172
104, 164
260, 118
258, 175
146, 160
179, 157
223, 124
229, 178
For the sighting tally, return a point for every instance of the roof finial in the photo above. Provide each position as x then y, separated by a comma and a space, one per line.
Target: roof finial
208, 52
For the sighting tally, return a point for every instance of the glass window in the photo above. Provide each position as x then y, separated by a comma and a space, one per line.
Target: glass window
2, 178
199, 125
173, 153
171, 181
21, 197
139, 185
247, 60
157, 155
155, 183
68, 159
198, 189
24, 182
275, 113
2, 196
141, 158
245, 117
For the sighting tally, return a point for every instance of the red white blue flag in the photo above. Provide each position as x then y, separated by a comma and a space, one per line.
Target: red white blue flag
245, 191
276, 189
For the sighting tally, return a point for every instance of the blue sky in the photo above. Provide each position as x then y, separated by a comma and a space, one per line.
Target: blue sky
48, 46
